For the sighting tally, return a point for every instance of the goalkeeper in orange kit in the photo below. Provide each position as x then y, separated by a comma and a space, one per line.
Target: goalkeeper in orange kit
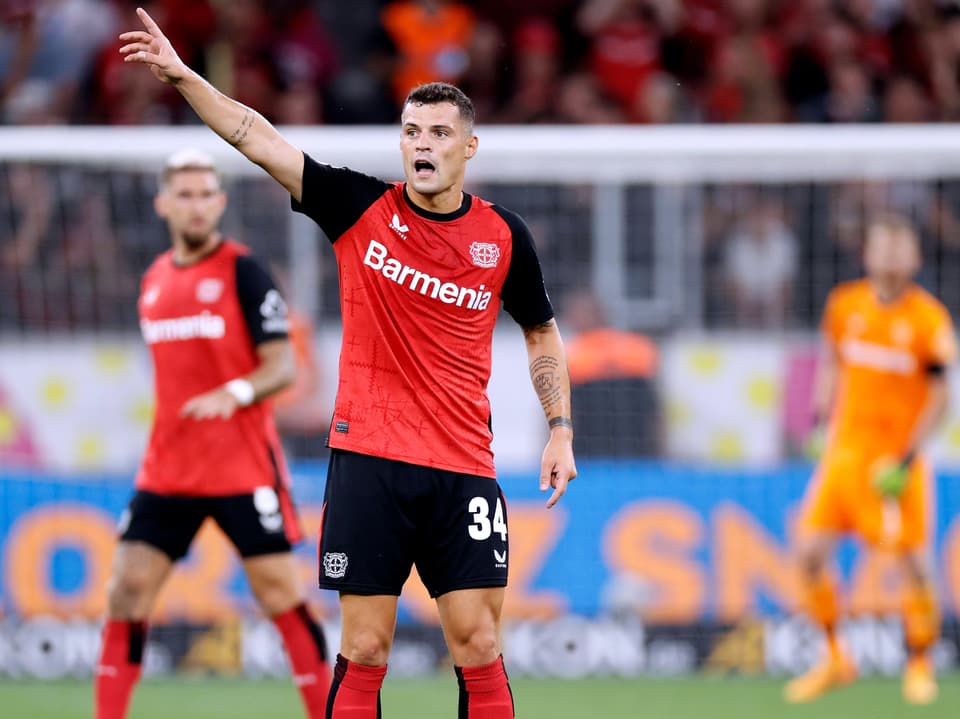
882, 381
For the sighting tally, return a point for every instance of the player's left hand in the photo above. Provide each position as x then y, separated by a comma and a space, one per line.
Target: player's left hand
209, 405
557, 468
890, 475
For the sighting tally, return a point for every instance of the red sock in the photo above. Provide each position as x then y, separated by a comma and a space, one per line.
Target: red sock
307, 651
485, 692
121, 655
355, 692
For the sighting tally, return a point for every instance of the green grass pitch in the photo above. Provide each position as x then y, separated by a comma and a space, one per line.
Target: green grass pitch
692, 698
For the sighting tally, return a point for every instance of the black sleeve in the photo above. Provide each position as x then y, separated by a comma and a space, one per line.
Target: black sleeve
524, 295
336, 197
261, 303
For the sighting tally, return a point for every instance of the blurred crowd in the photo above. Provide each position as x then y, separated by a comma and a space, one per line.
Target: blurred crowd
556, 61
71, 257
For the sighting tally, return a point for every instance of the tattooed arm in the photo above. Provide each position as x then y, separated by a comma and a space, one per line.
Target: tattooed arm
548, 372
242, 127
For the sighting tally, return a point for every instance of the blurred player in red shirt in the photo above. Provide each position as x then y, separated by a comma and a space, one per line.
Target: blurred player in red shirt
883, 383
216, 327
424, 268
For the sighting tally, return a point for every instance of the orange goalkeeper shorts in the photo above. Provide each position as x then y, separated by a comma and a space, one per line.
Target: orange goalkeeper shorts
841, 499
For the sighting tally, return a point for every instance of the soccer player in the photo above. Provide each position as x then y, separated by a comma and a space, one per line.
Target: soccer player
216, 327
423, 267
882, 379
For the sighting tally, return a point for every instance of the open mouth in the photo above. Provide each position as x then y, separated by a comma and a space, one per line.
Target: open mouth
424, 168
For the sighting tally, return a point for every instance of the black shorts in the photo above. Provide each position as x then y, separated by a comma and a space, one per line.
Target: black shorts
261, 522
382, 517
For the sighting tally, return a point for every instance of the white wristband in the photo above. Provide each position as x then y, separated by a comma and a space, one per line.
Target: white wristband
241, 390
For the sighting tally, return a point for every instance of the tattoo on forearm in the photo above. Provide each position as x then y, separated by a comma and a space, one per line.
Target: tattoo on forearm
240, 134
544, 371
560, 422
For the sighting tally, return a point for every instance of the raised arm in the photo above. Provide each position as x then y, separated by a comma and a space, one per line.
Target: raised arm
548, 372
241, 126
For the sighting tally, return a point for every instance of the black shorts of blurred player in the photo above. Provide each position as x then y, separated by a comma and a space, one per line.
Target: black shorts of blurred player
258, 523
383, 517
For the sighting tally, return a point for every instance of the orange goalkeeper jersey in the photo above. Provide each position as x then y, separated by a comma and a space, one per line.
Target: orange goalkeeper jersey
885, 352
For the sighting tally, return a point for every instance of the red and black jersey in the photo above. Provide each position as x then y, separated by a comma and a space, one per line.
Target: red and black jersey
419, 296
202, 323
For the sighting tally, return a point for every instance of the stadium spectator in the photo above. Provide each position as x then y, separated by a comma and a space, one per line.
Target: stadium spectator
415, 443
744, 61
431, 38
536, 74
624, 45
761, 264
89, 277
306, 59
616, 405
661, 101
217, 330
743, 85
850, 96
18, 44
31, 231
41, 87
905, 101
582, 101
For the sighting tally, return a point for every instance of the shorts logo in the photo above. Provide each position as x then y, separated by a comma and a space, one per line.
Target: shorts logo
209, 290
484, 254
342, 427
267, 504
501, 557
335, 565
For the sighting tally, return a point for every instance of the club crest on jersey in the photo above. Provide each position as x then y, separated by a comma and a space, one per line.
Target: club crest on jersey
209, 290
150, 296
400, 229
335, 565
484, 254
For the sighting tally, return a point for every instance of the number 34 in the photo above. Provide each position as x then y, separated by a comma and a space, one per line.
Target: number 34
480, 530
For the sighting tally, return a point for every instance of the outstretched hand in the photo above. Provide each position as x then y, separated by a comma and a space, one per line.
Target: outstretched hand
152, 48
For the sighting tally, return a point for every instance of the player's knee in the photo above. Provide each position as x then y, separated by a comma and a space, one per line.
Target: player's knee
128, 591
366, 647
812, 562
277, 598
474, 645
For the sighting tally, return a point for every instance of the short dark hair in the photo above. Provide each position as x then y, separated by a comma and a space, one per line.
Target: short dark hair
435, 93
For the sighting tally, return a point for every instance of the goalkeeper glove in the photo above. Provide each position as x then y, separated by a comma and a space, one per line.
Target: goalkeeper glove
816, 443
890, 476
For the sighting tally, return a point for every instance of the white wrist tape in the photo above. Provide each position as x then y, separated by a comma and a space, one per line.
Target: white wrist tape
241, 390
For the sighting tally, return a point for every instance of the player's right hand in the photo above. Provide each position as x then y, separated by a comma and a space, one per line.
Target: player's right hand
152, 48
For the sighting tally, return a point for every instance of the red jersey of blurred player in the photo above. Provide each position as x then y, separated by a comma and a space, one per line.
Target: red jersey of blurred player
888, 344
